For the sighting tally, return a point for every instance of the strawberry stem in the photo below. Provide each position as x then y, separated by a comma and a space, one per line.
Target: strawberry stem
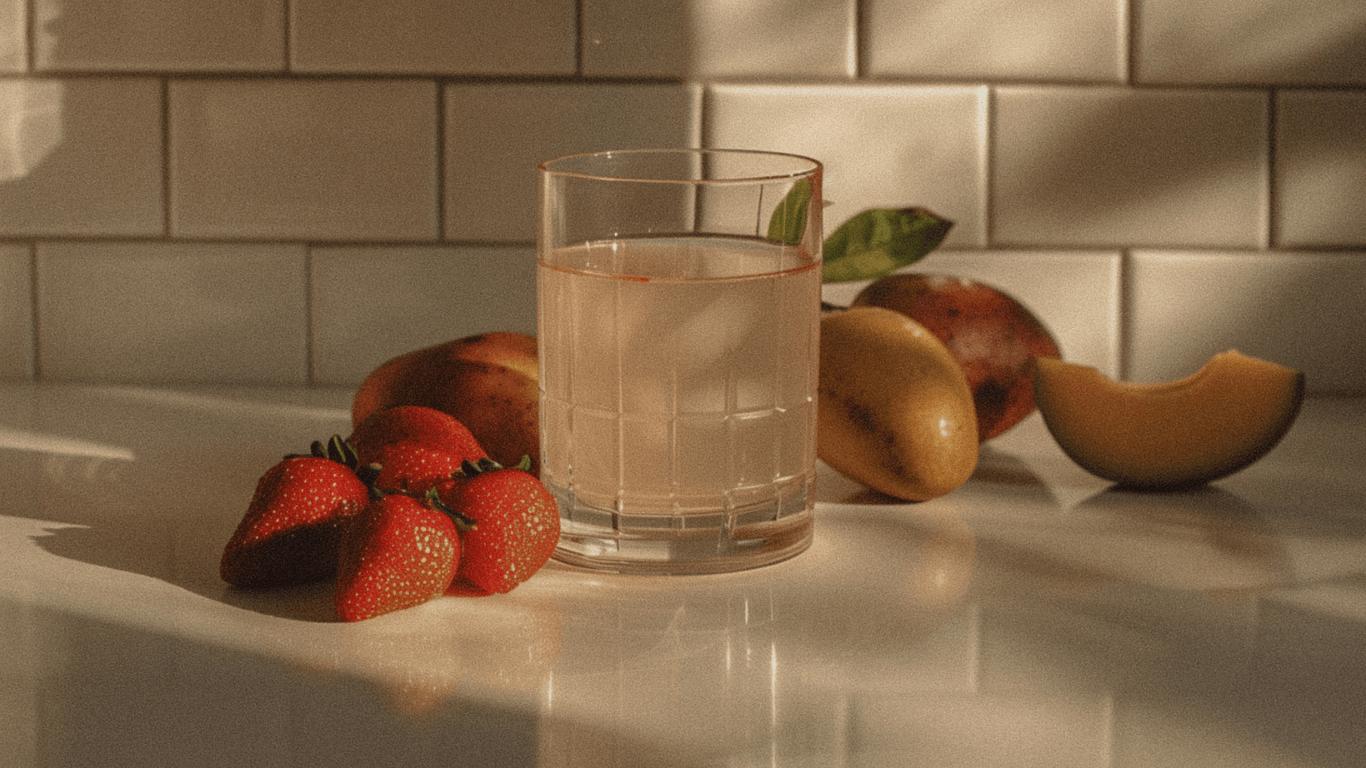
337, 449
340, 450
472, 468
485, 465
368, 474
462, 522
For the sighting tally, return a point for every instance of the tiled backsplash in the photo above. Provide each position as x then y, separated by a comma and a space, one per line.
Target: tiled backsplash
292, 191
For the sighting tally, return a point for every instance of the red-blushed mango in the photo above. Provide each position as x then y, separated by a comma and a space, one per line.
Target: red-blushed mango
894, 410
1172, 434
993, 336
488, 382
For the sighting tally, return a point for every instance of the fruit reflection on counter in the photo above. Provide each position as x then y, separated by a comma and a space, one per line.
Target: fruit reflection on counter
894, 410
409, 508
994, 337
1173, 434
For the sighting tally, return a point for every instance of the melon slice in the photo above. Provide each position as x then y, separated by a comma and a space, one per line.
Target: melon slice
1175, 434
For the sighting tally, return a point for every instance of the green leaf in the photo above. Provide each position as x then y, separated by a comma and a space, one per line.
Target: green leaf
788, 223
881, 240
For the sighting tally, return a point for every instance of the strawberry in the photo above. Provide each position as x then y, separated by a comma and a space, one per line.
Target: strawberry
398, 553
516, 524
411, 467
294, 522
436, 429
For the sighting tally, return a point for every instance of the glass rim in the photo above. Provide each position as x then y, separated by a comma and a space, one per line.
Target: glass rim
813, 166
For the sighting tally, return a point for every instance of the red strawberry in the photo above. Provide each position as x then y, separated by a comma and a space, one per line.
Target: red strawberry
295, 520
516, 524
398, 553
435, 429
411, 467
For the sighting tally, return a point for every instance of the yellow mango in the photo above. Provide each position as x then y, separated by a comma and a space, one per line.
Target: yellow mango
894, 410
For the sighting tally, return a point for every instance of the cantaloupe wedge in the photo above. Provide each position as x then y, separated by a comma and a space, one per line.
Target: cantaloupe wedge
1175, 434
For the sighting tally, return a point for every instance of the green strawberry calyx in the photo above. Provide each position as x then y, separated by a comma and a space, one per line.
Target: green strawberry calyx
484, 466
463, 522
469, 470
338, 449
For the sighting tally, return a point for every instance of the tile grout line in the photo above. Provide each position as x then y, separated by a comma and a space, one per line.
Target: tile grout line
310, 359
1269, 234
30, 37
77, 74
286, 36
35, 336
439, 172
987, 121
859, 45
166, 198
1128, 41
703, 102
1123, 327
578, 38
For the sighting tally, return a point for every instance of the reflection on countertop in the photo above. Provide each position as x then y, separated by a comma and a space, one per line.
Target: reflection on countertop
1035, 616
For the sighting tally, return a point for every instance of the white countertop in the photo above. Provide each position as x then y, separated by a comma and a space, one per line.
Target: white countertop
1033, 617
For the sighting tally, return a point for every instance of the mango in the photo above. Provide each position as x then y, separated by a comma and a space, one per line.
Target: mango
894, 410
992, 335
488, 382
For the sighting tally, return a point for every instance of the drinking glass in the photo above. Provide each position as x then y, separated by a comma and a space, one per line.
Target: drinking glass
678, 318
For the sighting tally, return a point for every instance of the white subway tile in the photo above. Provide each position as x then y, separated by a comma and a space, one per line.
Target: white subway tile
720, 38
472, 37
372, 303
1299, 309
496, 134
81, 157
1075, 293
1097, 167
1320, 167
346, 159
1079, 40
13, 35
171, 312
1281, 42
144, 35
16, 312
883, 146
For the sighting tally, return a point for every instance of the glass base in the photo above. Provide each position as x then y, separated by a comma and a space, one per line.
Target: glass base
723, 542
